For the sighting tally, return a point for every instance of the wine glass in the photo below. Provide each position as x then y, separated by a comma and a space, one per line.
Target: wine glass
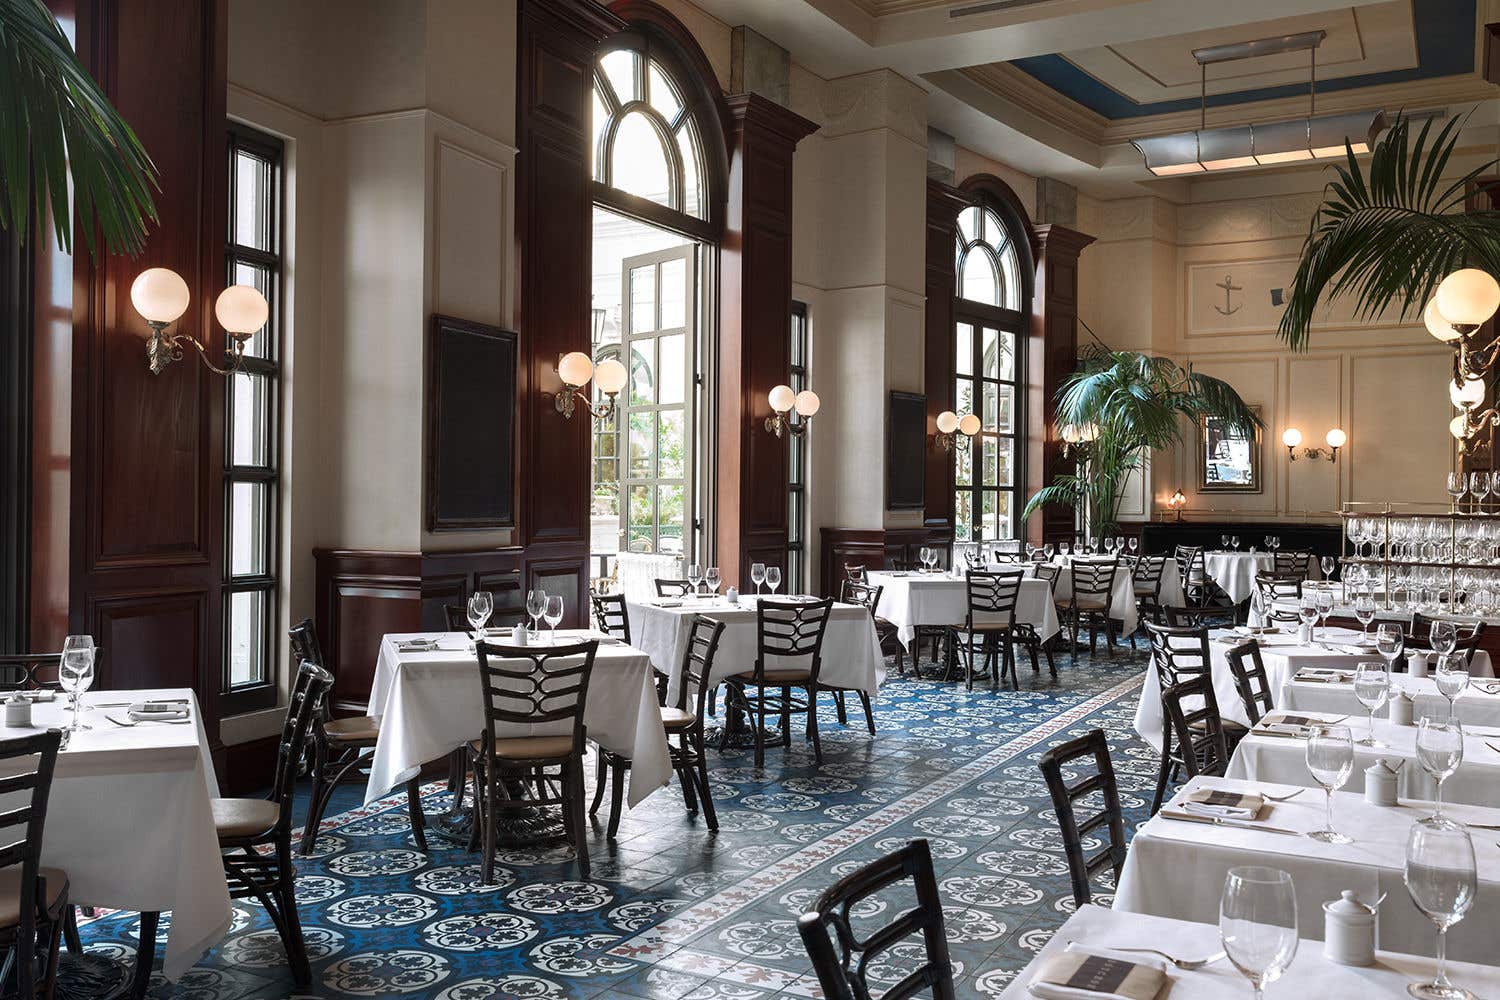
712, 579
924, 556
1049, 549
695, 577
481, 604
1324, 598
1134, 543
1456, 487
1258, 923
75, 673
1451, 677
1065, 548
536, 603
1224, 543
1330, 759
1440, 749
1389, 642
758, 575
1364, 612
1479, 485
1372, 686
552, 614
1328, 564
1442, 881
1307, 609
1234, 542
773, 578
1443, 636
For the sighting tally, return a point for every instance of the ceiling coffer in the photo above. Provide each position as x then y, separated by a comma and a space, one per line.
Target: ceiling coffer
992, 7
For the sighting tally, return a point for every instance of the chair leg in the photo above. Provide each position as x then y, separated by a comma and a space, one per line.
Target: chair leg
145, 955
1164, 772
864, 701
1031, 646
457, 773
487, 863
689, 791
812, 721
700, 775
573, 792
839, 705
786, 717
54, 949
296, 947
317, 799
616, 800
760, 728
418, 819
70, 930
1051, 663
601, 771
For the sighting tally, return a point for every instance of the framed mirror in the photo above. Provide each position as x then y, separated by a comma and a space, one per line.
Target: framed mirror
1228, 461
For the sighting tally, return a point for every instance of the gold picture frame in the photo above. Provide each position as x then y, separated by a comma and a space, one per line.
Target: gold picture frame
1228, 462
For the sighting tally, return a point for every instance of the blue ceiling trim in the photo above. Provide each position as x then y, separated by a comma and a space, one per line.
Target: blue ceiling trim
1445, 47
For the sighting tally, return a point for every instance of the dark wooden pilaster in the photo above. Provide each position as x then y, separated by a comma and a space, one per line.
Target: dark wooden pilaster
943, 205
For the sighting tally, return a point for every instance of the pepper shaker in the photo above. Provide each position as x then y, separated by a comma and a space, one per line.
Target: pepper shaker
1381, 782
1403, 709
1349, 930
18, 711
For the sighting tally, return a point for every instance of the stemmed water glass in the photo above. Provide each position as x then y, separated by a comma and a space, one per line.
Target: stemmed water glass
552, 614
1330, 760
1389, 642
758, 574
1372, 686
1234, 542
1324, 597
481, 604
1224, 542
1258, 923
773, 578
1456, 487
1451, 676
1048, 549
1440, 749
1307, 609
924, 556
1443, 636
75, 673
1328, 564
1066, 548
1479, 485
1442, 880
536, 603
1134, 544
711, 578
1364, 612
695, 577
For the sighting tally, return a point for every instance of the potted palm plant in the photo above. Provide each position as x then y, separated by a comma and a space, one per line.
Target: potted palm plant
57, 126
1116, 408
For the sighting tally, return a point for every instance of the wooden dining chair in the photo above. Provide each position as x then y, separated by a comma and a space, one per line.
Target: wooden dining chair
685, 720
1179, 654
856, 573
33, 899
1250, 679
336, 750
255, 835
673, 588
1199, 730
841, 958
1075, 755
1195, 582
1146, 577
526, 687
32, 671
789, 631
1273, 587
989, 627
1088, 604
1008, 551
456, 616
868, 596
610, 615
1295, 563
1026, 633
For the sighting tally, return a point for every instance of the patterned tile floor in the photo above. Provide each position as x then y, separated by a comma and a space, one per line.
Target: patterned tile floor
674, 913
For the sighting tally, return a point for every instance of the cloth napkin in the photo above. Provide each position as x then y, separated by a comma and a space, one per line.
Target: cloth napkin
1079, 975
666, 604
1226, 805
415, 645
1325, 675
158, 711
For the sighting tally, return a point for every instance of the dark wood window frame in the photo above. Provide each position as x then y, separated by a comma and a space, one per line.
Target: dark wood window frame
260, 693
796, 487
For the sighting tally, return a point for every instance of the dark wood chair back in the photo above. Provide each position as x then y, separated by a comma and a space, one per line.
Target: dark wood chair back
673, 588
1199, 731
1273, 587
841, 958
1146, 576
1009, 550
30, 671
1094, 578
1249, 673
1178, 652
698, 665
789, 630
534, 685
28, 763
1075, 755
1292, 562
855, 572
863, 594
1050, 573
304, 641
1192, 617
456, 617
1190, 564
992, 597
610, 616
303, 711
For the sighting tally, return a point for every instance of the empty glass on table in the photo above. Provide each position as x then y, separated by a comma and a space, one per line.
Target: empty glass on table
1440, 749
1456, 487
1442, 880
1224, 542
1307, 608
553, 614
481, 605
758, 574
1258, 923
694, 577
773, 578
75, 673
1451, 675
712, 581
536, 603
1330, 760
1328, 564
1372, 686
1389, 642
1324, 597
1364, 611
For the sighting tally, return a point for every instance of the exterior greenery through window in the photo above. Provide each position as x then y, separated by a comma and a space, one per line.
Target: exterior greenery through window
989, 319
796, 488
251, 474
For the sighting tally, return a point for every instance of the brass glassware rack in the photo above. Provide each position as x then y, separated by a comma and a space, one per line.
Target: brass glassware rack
1449, 516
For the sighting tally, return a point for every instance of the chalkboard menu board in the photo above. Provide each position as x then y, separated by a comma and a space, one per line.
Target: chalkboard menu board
906, 452
471, 418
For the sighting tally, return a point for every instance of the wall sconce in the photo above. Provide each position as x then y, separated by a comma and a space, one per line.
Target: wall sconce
576, 369
1177, 502
161, 297
1335, 439
783, 401
1077, 434
950, 425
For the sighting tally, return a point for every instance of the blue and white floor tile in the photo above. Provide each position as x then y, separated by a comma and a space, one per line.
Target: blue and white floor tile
672, 912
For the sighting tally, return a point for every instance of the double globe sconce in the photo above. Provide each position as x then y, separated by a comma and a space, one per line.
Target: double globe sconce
1335, 439
950, 427
161, 296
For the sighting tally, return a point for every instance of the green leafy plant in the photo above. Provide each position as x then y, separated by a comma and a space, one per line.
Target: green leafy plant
1390, 231
1132, 403
55, 122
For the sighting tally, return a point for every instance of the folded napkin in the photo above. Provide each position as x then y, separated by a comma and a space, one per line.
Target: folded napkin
40, 694
1324, 675
158, 711
1256, 629
666, 604
1078, 975
1225, 805
1300, 721
416, 645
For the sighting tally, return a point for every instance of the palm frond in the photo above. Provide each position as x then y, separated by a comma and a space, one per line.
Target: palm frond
1388, 233
56, 123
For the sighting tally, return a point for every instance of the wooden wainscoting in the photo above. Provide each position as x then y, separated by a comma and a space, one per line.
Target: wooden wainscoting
873, 548
362, 596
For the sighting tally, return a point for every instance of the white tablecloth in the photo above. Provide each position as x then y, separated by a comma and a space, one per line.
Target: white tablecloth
1284, 759
1282, 655
1176, 869
430, 704
1310, 976
912, 599
129, 820
1122, 606
1475, 706
1234, 572
851, 650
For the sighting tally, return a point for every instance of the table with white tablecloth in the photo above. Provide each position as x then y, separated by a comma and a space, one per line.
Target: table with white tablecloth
1477, 705
1234, 572
129, 819
430, 703
1176, 869
1263, 757
851, 656
1122, 603
1096, 930
910, 599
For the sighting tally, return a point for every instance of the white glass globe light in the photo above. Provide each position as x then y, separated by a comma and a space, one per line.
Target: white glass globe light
1459, 427
1070, 434
575, 368
968, 425
1291, 437
1437, 325
1088, 432
159, 295
610, 376
242, 309
807, 403
781, 398
1336, 438
947, 422
1468, 395
1468, 297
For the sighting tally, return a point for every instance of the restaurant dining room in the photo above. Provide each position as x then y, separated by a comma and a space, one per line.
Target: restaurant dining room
750, 499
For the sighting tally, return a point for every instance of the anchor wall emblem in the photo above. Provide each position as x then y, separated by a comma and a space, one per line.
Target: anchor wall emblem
1229, 286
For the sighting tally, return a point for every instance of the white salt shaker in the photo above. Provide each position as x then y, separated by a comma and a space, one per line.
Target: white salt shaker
1349, 930
1403, 710
1380, 783
18, 711
732, 596
1304, 634
1416, 664
518, 635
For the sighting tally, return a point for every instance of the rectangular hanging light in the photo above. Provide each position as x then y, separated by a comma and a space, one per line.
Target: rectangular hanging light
1226, 148
1170, 155
1360, 129
1282, 142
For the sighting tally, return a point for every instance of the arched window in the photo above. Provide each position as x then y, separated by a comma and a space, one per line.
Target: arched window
992, 262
